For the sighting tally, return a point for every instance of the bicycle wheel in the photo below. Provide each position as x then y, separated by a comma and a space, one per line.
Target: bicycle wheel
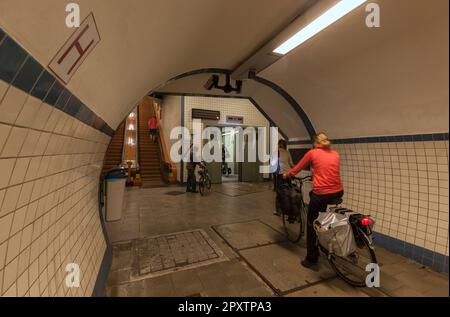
352, 269
201, 186
293, 226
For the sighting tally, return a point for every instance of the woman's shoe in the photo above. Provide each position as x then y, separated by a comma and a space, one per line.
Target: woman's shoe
310, 264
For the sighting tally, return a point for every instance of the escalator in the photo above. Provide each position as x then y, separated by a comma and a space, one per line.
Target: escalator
113, 156
149, 152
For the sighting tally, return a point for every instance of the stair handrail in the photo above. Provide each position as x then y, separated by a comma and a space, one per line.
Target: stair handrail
168, 163
138, 138
123, 139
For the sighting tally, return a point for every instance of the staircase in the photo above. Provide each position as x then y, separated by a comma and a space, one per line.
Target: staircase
149, 154
113, 156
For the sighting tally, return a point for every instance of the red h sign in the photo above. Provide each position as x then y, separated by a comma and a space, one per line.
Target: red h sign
75, 50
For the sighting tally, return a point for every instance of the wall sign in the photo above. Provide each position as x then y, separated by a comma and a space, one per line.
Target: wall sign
75, 51
235, 119
205, 114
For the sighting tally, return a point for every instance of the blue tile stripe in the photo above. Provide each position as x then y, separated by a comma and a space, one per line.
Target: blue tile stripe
272, 123
22, 71
384, 139
396, 138
300, 142
291, 101
437, 261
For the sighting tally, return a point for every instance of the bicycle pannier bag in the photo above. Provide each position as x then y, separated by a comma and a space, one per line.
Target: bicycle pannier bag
289, 199
335, 233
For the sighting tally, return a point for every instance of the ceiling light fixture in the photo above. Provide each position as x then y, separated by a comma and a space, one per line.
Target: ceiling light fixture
325, 20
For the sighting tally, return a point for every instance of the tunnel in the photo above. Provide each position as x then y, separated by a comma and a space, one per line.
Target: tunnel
81, 81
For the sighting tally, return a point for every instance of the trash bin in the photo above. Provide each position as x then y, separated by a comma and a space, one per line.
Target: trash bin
115, 188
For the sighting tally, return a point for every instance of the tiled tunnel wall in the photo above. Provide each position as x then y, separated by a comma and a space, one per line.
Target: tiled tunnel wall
403, 183
51, 152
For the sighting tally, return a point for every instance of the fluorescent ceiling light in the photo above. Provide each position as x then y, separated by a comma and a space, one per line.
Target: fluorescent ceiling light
319, 24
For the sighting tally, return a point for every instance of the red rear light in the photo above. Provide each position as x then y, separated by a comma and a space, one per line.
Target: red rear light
366, 221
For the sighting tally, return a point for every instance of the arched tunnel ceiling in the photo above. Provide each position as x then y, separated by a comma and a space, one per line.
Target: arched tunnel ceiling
145, 42
276, 107
353, 81
350, 80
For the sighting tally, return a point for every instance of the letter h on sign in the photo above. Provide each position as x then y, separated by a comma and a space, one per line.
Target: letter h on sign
75, 50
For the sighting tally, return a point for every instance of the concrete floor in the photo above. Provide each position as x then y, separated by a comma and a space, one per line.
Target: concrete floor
251, 257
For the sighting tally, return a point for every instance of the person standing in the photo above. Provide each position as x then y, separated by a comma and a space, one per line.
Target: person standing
284, 166
327, 188
152, 126
191, 179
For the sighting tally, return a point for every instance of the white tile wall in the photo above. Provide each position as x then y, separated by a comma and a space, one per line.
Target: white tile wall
49, 173
227, 107
404, 186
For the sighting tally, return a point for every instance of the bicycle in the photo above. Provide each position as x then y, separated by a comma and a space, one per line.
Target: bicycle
204, 185
352, 268
294, 225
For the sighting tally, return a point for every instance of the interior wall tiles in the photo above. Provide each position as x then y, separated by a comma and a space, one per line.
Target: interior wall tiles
227, 107
403, 182
404, 186
24, 73
51, 153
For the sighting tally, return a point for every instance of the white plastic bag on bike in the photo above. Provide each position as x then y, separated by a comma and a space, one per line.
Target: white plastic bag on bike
335, 233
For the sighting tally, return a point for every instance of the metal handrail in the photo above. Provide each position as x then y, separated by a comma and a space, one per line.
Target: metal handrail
167, 163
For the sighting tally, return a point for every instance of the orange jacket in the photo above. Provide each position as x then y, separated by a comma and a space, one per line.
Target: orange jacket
325, 167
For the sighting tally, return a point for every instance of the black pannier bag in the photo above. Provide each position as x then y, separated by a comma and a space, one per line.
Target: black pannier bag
289, 200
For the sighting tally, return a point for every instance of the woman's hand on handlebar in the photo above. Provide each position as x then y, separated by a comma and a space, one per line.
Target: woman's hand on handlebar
306, 178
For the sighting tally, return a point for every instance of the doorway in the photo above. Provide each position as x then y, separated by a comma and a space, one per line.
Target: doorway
229, 170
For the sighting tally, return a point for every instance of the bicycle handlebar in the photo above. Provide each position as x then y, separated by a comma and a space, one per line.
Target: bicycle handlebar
302, 179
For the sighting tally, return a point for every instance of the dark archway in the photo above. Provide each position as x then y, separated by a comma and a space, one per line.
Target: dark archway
283, 93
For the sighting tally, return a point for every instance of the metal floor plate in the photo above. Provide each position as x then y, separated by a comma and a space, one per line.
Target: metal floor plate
249, 234
280, 266
167, 253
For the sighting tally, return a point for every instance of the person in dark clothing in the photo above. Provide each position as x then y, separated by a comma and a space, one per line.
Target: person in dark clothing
191, 179
284, 165
327, 188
